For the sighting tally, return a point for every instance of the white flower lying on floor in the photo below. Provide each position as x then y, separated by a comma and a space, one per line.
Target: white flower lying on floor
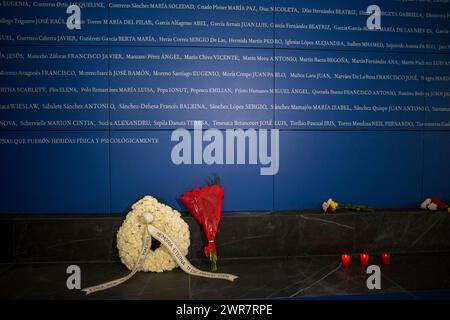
131, 234
434, 204
426, 203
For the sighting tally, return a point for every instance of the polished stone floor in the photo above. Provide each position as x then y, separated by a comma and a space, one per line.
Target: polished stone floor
268, 278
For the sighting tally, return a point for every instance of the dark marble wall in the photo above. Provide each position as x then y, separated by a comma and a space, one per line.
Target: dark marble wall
6, 240
92, 238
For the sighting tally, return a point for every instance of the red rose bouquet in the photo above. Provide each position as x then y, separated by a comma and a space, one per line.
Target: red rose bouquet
205, 205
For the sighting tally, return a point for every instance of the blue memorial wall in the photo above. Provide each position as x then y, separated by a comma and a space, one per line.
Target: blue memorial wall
87, 116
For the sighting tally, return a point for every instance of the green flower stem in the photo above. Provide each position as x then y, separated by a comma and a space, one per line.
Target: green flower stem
355, 207
213, 259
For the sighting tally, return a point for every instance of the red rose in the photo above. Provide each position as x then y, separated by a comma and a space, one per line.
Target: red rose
442, 205
435, 200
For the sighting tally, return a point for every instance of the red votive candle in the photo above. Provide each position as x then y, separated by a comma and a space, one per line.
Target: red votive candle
386, 258
364, 259
345, 258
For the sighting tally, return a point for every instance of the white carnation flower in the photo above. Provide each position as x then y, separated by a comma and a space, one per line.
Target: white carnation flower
425, 204
131, 233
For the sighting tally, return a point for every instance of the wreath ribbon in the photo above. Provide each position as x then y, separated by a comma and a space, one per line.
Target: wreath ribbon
175, 252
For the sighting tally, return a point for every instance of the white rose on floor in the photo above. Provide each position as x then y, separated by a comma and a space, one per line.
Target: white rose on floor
131, 233
425, 204
432, 206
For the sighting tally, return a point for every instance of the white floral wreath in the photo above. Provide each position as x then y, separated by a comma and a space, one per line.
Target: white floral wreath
131, 234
